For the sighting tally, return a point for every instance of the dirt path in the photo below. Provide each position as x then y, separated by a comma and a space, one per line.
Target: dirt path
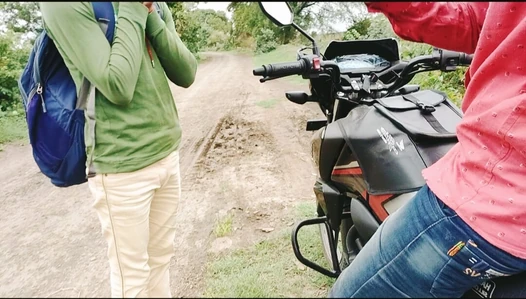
239, 159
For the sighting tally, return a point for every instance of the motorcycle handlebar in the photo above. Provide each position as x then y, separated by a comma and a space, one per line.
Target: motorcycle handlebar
282, 69
465, 59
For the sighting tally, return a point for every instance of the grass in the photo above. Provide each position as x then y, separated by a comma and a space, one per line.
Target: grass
284, 53
201, 57
12, 128
269, 268
224, 226
267, 103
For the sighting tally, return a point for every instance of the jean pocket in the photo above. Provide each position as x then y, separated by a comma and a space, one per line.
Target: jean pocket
464, 269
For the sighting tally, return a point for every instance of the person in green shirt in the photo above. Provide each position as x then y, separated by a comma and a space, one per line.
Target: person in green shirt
133, 156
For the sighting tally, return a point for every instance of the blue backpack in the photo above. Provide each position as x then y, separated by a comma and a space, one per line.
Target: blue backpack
54, 111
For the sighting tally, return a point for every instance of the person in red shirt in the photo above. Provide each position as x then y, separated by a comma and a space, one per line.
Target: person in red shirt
468, 223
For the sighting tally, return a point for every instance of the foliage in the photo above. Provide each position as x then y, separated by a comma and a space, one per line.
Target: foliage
21, 17
265, 41
190, 31
201, 29
216, 28
330, 13
12, 61
249, 20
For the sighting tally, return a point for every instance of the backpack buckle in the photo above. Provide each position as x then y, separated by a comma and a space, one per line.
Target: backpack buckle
425, 108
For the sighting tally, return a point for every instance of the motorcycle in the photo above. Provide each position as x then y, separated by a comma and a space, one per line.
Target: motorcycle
379, 133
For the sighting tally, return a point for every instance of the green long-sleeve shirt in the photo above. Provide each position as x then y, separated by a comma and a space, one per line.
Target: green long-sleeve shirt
136, 118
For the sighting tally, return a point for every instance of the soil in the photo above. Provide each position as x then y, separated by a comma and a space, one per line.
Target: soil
239, 159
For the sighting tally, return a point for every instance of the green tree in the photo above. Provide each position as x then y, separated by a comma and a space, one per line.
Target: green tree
217, 26
190, 31
22, 17
13, 58
326, 14
249, 20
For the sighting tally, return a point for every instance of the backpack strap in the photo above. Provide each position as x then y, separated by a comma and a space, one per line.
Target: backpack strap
105, 16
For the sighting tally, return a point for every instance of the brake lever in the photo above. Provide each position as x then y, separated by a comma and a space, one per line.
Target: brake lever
267, 78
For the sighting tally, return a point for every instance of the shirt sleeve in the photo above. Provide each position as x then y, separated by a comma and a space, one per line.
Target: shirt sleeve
113, 70
453, 26
177, 61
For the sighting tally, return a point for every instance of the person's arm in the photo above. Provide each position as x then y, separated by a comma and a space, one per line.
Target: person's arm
448, 25
113, 70
177, 61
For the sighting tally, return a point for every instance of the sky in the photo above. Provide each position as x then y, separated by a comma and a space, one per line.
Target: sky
215, 6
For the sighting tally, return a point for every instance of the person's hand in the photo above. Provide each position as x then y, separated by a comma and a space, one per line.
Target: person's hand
149, 5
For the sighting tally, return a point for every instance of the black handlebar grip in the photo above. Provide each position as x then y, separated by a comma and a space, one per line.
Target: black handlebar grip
281, 69
260, 71
465, 59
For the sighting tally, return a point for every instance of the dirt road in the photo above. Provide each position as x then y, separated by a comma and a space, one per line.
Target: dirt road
244, 154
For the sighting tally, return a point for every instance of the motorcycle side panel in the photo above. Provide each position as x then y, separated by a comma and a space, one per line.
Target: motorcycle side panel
390, 161
330, 148
365, 222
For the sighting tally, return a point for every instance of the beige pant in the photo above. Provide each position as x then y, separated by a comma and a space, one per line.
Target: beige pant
137, 214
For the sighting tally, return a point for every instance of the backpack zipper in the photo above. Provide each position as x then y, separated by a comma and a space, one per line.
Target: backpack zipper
39, 92
150, 52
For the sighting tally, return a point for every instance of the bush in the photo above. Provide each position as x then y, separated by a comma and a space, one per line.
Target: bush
452, 83
12, 61
265, 41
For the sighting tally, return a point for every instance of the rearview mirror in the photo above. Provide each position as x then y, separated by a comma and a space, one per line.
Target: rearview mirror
278, 12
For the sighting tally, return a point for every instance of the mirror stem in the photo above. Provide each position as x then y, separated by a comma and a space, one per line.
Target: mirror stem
315, 49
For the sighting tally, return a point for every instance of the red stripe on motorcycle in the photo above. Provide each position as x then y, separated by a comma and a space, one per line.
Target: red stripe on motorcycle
377, 204
344, 171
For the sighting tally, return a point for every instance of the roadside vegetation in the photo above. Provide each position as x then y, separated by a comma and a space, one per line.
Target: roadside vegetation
269, 269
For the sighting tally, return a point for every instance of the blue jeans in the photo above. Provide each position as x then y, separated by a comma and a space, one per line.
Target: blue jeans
423, 250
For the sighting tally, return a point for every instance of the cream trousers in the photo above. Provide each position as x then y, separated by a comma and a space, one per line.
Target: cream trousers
137, 214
